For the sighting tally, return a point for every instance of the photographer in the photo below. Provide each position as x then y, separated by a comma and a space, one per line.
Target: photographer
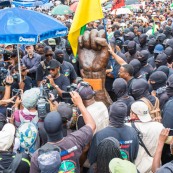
26, 81
6, 92
42, 70
58, 81
30, 113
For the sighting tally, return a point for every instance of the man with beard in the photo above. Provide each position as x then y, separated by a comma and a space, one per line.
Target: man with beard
158, 49
143, 41
132, 51
58, 81
67, 68
146, 68
158, 82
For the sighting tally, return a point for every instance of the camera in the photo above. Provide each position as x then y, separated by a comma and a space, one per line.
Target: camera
71, 87
43, 106
6, 54
3, 74
9, 112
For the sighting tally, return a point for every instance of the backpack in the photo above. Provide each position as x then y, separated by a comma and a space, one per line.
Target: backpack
13, 166
50, 160
27, 133
153, 110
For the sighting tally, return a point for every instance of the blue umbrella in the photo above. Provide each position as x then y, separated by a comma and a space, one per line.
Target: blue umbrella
21, 26
28, 3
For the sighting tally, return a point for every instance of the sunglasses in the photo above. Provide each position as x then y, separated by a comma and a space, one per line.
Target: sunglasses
48, 55
51, 69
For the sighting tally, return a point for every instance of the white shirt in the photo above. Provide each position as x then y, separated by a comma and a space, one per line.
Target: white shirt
150, 132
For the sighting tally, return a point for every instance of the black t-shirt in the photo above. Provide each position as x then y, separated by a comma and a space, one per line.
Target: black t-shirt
62, 81
126, 136
6, 159
41, 72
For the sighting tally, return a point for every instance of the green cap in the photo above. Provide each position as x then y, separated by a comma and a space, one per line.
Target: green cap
117, 165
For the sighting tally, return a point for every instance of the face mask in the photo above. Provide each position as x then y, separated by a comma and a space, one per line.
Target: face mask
132, 51
69, 51
151, 49
60, 58
143, 61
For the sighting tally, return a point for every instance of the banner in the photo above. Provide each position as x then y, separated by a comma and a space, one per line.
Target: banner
118, 4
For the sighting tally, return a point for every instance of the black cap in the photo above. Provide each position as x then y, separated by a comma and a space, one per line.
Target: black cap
53, 126
53, 64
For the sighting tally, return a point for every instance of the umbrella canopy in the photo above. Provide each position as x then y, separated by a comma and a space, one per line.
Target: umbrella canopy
21, 26
73, 7
28, 3
61, 10
123, 11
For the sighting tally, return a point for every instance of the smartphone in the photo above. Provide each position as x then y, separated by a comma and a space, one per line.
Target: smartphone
66, 95
9, 112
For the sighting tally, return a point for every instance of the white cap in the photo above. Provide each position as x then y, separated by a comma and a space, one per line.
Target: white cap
141, 110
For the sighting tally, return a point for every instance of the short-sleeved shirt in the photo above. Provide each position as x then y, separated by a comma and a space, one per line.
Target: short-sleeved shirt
80, 139
67, 70
62, 81
126, 136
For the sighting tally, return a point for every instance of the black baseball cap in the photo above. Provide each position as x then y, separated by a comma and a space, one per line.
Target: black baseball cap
53, 64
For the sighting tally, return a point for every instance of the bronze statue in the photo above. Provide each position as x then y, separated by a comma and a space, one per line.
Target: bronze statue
93, 58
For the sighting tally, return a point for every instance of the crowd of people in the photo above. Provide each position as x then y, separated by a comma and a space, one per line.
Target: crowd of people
53, 120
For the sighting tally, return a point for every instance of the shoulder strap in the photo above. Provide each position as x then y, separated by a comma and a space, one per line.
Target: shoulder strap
21, 117
148, 103
140, 139
35, 120
16, 161
43, 65
156, 106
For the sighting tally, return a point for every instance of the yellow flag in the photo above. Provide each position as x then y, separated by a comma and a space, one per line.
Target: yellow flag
87, 11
